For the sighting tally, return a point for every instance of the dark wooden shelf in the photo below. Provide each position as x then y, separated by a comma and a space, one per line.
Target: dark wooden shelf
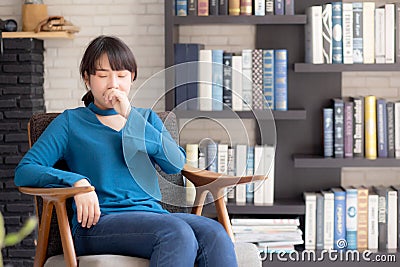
259, 114
247, 20
305, 67
313, 161
284, 207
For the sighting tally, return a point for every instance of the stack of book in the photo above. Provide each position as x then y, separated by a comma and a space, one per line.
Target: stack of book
270, 235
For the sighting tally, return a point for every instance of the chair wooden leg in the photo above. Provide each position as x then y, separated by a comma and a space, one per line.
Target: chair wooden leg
199, 201
222, 212
66, 236
43, 235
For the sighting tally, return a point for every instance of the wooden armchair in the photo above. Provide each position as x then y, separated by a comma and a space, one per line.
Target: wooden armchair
55, 238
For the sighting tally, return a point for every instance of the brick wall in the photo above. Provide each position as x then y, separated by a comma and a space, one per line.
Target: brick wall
21, 95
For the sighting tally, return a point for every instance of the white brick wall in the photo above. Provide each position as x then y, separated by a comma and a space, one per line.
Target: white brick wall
140, 24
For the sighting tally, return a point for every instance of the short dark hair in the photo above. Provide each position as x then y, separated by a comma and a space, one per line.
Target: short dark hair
119, 55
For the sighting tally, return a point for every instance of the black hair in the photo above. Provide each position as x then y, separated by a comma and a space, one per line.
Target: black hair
119, 55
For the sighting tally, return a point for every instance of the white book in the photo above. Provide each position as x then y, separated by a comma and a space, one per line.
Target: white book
237, 83
192, 159
259, 7
347, 21
328, 219
259, 169
223, 163
380, 44
392, 219
205, 79
327, 33
310, 220
373, 206
369, 32
313, 35
269, 164
397, 133
241, 161
247, 89
389, 33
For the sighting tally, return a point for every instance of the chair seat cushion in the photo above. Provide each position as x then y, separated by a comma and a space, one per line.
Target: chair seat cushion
246, 253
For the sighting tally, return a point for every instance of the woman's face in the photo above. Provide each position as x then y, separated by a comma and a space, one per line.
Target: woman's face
105, 78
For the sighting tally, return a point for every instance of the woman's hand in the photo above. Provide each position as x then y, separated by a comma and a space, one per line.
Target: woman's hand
87, 206
119, 101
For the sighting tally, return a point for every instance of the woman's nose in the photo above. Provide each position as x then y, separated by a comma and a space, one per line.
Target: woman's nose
113, 81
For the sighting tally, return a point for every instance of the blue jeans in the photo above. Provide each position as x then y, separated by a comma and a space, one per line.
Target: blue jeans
175, 239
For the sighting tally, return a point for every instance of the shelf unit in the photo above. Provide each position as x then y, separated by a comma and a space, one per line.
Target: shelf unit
39, 35
259, 114
305, 67
313, 161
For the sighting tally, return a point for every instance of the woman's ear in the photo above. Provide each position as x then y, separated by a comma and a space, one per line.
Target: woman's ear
133, 76
86, 80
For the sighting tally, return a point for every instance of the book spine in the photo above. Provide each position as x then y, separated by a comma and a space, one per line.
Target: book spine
246, 7
223, 7
289, 7
339, 219
370, 127
397, 133
250, 172
259, 169
212, 157
279, 7
192, 7
234, 7
392, 219
313, 36
231, 171
389, 33
328, 219
269, 7
193, 56
380, 45
328, 132
181, 8
241, 160
257, 79
373, 221
269, 164
213, 7
362, 223
369, 32
337, 45
390, 128
217, 79
280, 79
397, 26
382, 128
205, 78
320, 222
382, 223
237, 83
358, 142
347, 33
327, 33
358, 56
180, 76
259, 7
338, 107
247, 86
227, 90
310, 224
351, 218
348, 129
268, 78
202, 8
222, 158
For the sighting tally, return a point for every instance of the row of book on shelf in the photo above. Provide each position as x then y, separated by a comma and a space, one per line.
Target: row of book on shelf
270, 235
213, 80
362, 127
347, 33
353, 218
238, 160
233, 7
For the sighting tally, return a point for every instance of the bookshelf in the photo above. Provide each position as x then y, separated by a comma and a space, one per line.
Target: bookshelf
299, 130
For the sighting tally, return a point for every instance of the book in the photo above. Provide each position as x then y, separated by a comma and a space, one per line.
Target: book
223, 7
241, 161
259, 169
269, 7
227, 76
310, 220
193, 56
181, 7
279, 7
320, 222
397, 189
247, 87
347, 23
397, 133
327, 33
362, 218
369, 32
269, 164
381, 120
373, 207
328, 132
390, 128
380, 38
259, 7
217, 79
392, 220
268, 78
370, 127
358, 123
192, 7
338, 117
246, 7
389, 33
202, 7
358, 56
339, 218
231, 171
289, 7
313, 35
337, 44
257, 79
213, 6
348, 129
280, 79
329, 205
205, 80
351, 217
397, 27
250, 172
234, 7
237, 83
382, 220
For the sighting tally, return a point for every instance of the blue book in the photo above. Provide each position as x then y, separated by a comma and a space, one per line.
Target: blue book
337, 39
180, 76
192, 55
217, 79
351, 217
279, 7
320, 221
181, 7
227, 76
212, 156
382, 126
339, 219
250, 171
280, 79
268, 78
328, 132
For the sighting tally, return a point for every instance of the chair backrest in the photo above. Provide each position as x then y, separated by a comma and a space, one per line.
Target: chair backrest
170, 192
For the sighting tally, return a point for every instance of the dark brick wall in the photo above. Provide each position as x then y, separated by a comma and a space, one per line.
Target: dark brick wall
21, 95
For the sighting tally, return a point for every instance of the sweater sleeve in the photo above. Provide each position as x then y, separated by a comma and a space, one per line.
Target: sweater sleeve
36, 167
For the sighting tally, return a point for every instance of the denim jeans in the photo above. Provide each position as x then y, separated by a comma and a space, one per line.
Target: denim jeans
170, 240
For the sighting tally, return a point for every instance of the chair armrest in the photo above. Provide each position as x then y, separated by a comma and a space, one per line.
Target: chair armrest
56, 193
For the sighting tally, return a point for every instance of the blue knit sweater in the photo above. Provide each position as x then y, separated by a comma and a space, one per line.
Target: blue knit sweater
107, 158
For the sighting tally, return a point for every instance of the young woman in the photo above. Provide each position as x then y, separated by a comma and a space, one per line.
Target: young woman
123, 215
